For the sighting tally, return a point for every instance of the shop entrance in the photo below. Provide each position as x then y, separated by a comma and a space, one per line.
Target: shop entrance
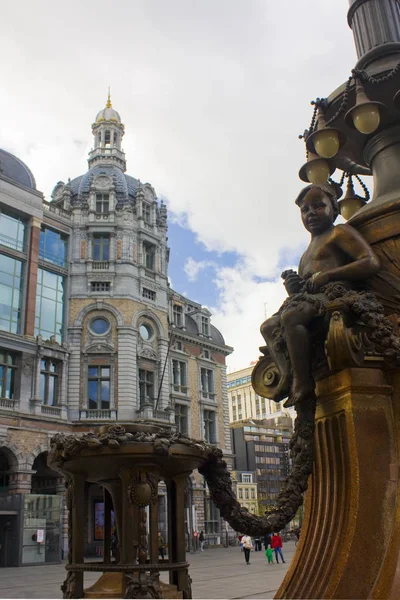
9, 545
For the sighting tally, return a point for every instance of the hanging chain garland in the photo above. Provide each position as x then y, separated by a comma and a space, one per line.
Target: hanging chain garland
363, 77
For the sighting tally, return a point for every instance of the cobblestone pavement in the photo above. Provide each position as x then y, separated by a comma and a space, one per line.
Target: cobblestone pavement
216, 573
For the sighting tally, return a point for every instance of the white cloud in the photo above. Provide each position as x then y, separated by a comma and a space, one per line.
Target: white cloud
243, 305
193, 267
213, 96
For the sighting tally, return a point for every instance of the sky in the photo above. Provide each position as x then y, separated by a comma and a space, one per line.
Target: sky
213, 95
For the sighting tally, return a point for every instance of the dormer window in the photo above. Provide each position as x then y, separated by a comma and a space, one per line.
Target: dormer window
102, 204
178, 315
205, 326
147, 214
107, 137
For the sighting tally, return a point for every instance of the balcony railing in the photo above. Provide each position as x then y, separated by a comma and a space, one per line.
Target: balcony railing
100, 265
209, 395
99, 414
161, 415
180, 388
57, 210
51, 411
8, 403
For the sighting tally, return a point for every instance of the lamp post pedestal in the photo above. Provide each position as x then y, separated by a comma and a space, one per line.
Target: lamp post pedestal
350, 542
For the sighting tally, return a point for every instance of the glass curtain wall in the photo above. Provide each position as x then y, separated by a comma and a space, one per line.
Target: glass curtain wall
49, 305
10, 293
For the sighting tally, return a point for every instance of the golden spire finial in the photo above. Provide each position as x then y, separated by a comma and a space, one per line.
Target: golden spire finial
109, 105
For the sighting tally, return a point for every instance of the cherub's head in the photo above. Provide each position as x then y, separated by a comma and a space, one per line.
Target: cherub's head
319, 207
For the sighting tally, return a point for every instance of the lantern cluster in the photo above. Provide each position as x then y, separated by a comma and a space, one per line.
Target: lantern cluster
324, 141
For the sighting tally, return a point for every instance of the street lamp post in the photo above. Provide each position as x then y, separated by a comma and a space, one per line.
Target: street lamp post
355, 489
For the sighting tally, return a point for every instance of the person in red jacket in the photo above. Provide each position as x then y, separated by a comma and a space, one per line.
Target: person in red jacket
276, 544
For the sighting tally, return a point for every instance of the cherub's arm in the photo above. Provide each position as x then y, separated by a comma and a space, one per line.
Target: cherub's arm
363, 261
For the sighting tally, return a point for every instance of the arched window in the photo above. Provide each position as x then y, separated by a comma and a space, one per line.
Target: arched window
115, 138
99, 138
107, 137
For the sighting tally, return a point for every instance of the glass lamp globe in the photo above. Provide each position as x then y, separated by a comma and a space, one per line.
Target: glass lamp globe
366, 118
349, 207
326, 143
317, 171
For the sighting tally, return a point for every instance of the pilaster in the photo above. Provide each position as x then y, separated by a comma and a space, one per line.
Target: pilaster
31, 288
127, 373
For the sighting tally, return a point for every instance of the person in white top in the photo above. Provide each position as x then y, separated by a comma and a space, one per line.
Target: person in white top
247, 547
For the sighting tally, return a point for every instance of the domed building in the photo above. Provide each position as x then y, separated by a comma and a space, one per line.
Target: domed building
91, 332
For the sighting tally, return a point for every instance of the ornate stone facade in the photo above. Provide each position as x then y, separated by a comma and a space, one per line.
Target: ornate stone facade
98, 331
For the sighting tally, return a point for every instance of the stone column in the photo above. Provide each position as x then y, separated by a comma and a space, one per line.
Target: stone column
20, 481
165, 387
112, 246
74, 374
32, 275
89, 252
63, 388
36, 400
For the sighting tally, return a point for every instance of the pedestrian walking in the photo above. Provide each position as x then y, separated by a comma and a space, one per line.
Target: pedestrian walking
247, 547
276, 543
297, 533
161, 546
257, 544
269, 553
267, 541
201, 540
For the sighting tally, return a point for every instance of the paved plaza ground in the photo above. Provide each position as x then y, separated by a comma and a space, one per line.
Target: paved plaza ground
216, 573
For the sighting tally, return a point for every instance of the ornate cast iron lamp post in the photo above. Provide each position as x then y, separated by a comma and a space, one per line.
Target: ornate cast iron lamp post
354, 490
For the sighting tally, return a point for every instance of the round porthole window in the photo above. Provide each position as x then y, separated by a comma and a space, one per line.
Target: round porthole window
145, 331
99, 326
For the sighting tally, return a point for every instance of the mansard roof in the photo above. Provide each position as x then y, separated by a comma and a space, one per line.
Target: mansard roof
125, 185
13, 168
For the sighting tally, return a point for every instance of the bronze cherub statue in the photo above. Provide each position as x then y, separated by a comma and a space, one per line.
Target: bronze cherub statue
335, 263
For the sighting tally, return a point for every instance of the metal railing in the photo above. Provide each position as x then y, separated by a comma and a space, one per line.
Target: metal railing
9, 242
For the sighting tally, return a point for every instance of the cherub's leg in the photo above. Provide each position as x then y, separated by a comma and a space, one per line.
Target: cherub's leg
267, 331
297, 335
